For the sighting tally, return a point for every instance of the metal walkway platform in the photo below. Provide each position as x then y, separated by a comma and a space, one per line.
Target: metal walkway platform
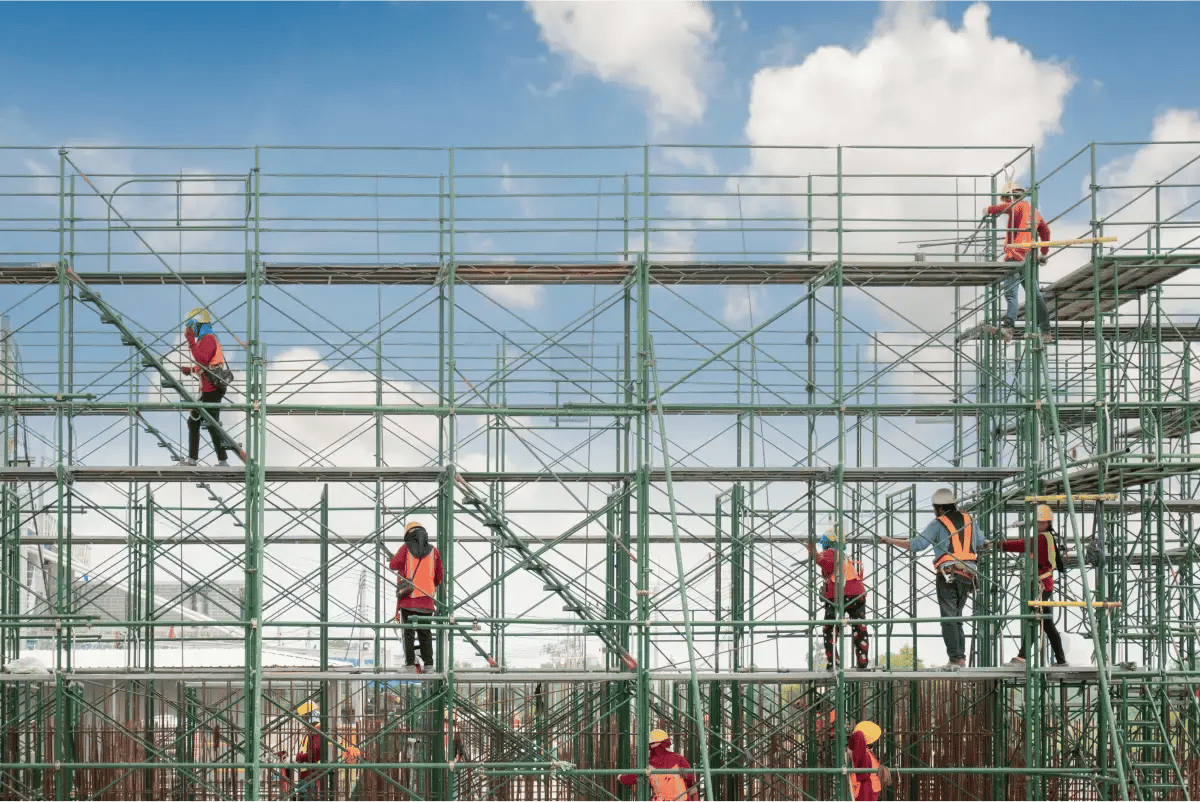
855, 272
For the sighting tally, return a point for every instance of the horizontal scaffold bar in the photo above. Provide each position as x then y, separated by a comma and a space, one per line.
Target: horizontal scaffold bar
180, 473
481, 677
1099, 604
1076, 497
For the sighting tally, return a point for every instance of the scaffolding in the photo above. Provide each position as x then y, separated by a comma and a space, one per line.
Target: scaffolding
623, 387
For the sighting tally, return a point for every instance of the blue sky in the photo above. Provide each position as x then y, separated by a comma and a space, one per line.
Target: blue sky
461, 73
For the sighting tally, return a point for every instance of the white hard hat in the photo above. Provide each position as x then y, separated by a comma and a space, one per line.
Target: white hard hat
944, 496
1012, 188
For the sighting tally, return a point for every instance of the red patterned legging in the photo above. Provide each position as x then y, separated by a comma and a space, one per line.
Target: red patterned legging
855, 608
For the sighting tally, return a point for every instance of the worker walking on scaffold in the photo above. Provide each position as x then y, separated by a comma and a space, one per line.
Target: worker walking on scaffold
956, 540
1048, 558
836, 566
1018, 235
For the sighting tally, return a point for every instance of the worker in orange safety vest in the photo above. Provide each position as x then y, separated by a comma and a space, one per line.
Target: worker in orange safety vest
419, 572
836, 567
668, 787
956, 540
1022, 219
866, 785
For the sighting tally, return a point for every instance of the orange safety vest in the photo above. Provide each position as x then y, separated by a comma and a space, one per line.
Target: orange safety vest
876, 780
1019, 233
851, 570
960, 543
667, 787
218, 355
420, 573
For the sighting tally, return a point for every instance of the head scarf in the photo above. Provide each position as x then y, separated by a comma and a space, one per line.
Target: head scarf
417, 540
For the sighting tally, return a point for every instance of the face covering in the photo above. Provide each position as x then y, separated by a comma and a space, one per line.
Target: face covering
417, 540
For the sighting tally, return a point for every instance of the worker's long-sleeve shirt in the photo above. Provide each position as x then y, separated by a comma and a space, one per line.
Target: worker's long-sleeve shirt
311, 753
1018, 232
827, 561
664, 759
1044, 569
203, 352
860, 756
937, 537
419, 602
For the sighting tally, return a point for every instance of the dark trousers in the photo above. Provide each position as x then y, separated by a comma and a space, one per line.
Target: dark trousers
952, 597
412, 635
194, 420
855, 608
1047, 616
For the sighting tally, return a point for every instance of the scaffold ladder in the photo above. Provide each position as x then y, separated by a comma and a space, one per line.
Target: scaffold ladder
554, 580
150, 359
1152, 769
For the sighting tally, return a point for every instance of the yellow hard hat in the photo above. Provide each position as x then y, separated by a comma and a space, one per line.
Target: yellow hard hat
307, 709
658, 736
1044, 513
870, 731
411, 526
200, 313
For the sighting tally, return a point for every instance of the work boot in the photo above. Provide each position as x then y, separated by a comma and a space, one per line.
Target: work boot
223, 463
1008, 329
187, 462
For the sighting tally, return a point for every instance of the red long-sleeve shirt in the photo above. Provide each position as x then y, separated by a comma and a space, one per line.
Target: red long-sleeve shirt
311, 753
421, 602
1018, 228
1043, 557
663, 758
827, 562
203, 351
860, 756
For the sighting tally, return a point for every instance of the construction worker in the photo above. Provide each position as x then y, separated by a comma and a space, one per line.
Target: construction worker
836, 566
419, 572
866, 785
956, 541
309, 786
1047, 561
210, 367
1017, 236
668, 787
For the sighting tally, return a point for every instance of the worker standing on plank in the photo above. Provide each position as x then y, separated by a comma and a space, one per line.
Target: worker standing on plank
837, 568
419, 573
670, 787
1048, 558
1016, 249
866, 785
210, 367
956, 540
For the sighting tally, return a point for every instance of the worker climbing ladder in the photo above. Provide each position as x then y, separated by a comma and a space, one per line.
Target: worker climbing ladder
150, 359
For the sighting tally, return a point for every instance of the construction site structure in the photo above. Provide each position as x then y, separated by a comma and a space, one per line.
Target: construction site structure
622, 387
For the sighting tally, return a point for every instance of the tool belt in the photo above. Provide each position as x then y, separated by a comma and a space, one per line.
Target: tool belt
958, 571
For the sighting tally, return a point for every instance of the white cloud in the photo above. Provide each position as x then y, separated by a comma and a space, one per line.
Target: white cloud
741, 304
662, 49
917, 82
519, 296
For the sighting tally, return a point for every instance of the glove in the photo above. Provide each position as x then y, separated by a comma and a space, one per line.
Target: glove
190, 324
1043, 259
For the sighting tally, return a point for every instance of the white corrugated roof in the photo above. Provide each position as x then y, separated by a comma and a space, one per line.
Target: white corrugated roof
180, 654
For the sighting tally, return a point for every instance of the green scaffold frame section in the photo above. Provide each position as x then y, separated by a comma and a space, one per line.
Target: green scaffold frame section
1029, 403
